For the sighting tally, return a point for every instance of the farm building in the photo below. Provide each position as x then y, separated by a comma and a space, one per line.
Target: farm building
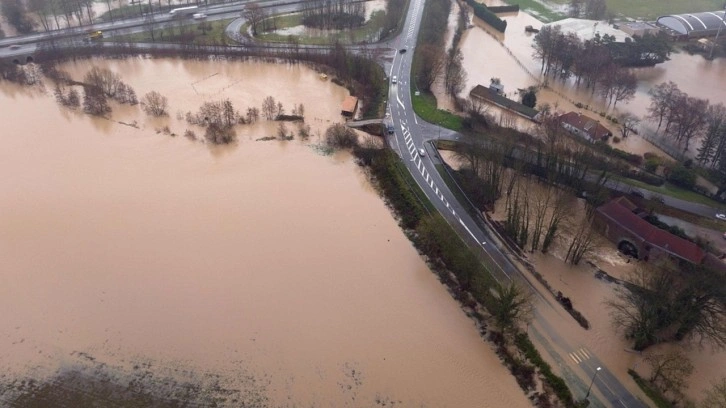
349, 106
693, 25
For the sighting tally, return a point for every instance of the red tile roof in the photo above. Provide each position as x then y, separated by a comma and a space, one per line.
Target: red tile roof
619, 213
349, 104
586, 124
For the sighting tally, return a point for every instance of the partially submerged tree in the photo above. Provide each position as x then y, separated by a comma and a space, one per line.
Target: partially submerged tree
155, 104
670, 372
340, 136
715, 397
512, 306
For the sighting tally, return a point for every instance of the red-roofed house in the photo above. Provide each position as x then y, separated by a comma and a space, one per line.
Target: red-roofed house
584, 126
633, 235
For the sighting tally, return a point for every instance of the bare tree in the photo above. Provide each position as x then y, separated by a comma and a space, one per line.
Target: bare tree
715, 397
269, 107
582, 242
340, 136
254, 15
155, 104
429, 61
670, 372
627, 123
661, 101
94, 101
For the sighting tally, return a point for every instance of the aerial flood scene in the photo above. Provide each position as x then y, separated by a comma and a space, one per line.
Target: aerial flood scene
382, 203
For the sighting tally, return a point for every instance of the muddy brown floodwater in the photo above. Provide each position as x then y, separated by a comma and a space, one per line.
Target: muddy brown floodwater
262, 271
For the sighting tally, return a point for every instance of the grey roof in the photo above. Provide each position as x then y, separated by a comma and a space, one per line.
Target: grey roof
695, 24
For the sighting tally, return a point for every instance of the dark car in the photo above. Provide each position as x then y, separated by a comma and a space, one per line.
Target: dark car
636, 193
402, 50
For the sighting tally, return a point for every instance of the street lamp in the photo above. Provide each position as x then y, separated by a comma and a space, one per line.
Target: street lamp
592, 382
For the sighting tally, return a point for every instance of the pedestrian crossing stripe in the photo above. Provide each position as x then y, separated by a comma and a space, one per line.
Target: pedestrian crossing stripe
580, 355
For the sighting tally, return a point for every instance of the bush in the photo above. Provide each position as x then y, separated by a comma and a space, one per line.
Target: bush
340, 136
646, 178
616, 139
651, 164
682, 177
558, 384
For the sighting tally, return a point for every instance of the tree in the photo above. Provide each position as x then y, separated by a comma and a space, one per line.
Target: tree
617, 84
714, 141
155, 104
681, 176
269, 107
429, 61
512, 306
715, 397
575, 9
595, 9
455, 78
627, 123
254, 15
670, 372
666, 302
217, 134
340, 136
582, 242
529, 97
281, 130
661, 101
16, 15
94, 101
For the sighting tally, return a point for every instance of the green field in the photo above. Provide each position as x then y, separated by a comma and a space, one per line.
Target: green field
652, 9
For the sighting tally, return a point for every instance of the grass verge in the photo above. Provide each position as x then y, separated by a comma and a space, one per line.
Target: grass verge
368, 32
658, 399
669, 189
424, 104
188, 34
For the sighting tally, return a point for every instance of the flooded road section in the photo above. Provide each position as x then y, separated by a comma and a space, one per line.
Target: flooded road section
262, 272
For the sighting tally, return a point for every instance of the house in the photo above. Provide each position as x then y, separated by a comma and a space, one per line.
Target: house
584, 126
349, 106
620, 221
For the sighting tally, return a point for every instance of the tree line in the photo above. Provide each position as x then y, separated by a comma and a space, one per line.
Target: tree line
599, 64
333, 14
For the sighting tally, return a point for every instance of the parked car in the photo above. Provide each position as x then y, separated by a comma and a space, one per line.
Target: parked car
394, 80
636, 193
402, 50
422, 152
721, 216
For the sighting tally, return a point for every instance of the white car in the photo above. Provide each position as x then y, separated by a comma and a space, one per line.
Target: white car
394, 80
721, 216
422, 152
14, 47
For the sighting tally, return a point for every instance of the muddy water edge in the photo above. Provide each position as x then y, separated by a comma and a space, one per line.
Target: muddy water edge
155, 269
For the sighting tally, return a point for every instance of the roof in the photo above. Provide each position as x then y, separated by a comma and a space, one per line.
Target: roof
481, 91
349, 104
586, 124
619, 213
586, 29
694, 24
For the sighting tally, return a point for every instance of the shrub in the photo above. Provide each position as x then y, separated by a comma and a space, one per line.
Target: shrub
682, 176
616, 139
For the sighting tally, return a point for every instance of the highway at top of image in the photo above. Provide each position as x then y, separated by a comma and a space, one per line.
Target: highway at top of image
410, 135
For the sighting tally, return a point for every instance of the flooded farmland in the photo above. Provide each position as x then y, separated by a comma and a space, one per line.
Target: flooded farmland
154, 269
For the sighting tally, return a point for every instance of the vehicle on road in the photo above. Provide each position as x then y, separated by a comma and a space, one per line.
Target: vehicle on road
636, 193
184, 11
95, 35
721, 216
394, 80
421, 151
402, 50
390, 129
199, 16
14, 47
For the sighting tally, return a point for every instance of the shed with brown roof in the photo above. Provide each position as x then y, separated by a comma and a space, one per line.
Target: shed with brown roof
350, 104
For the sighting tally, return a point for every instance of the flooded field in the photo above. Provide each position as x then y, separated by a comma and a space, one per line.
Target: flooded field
509, 56
588, 293
153, 269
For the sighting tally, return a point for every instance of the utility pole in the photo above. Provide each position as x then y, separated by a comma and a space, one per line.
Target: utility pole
592, 382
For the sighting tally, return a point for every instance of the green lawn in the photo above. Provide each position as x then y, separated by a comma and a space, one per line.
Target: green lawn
669, 189
539, 10
367, 32
424, 105
186, 34
652, 9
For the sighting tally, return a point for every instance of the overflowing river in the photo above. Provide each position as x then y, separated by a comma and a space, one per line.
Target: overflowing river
263, 265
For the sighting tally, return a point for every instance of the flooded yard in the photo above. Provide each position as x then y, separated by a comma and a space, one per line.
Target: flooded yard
154, 268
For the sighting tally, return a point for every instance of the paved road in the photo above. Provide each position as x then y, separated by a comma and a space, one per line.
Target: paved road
411, 141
